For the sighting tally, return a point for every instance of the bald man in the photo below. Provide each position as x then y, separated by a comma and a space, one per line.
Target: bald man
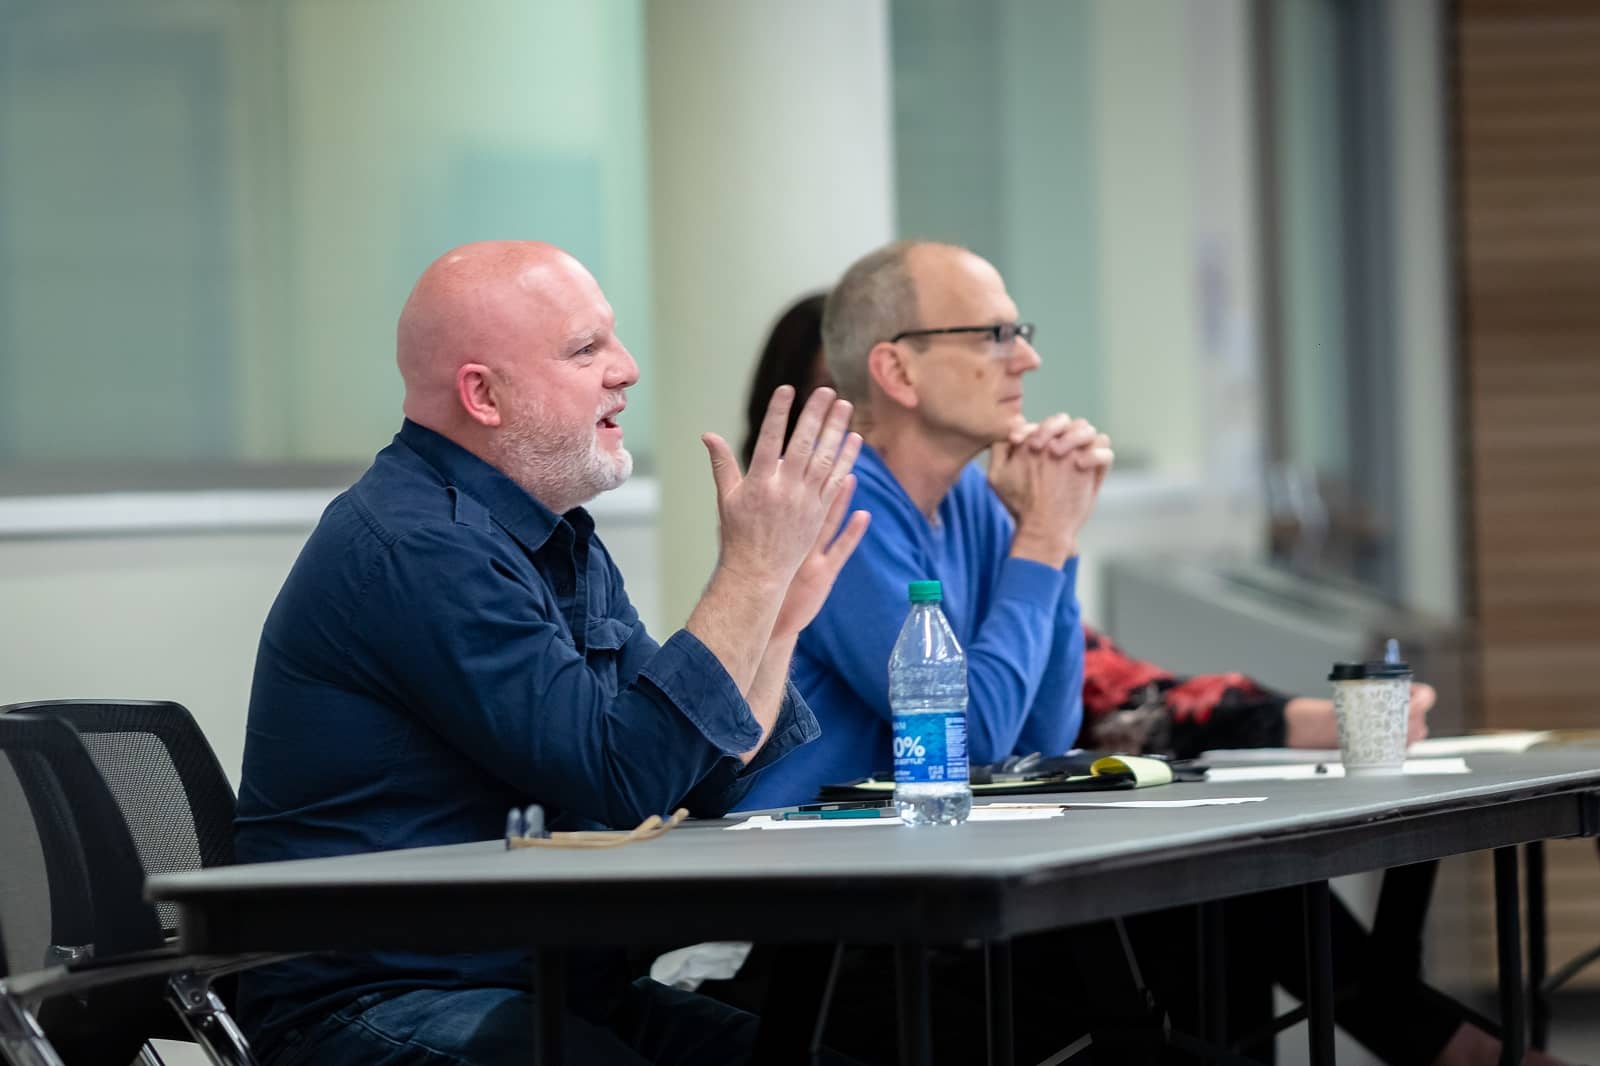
454, 641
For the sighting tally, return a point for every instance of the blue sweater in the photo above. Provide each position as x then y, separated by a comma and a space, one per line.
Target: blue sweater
1016, 620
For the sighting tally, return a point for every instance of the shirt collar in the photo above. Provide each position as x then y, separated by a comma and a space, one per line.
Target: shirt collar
871, 468
522, 515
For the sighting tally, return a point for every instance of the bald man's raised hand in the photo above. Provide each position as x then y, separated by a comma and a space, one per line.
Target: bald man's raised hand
781, 545
772, 516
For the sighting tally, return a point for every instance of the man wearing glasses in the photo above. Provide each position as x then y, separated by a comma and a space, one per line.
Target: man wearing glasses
924, 340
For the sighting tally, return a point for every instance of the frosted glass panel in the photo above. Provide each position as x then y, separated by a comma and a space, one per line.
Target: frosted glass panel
1310, 234
994, 149
212, 210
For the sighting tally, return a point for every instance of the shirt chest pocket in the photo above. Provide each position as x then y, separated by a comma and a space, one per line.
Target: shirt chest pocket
603, 642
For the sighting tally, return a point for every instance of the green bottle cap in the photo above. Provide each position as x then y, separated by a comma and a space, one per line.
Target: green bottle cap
926, 592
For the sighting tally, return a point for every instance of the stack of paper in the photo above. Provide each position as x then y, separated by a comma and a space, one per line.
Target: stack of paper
1300, 771
1000, 812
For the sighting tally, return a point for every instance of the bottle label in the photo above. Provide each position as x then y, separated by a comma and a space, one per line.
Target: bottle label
930, 748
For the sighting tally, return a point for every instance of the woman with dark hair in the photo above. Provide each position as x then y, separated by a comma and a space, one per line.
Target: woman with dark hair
793, 356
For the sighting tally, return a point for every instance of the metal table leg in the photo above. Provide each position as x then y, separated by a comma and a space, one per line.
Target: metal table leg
1213, 976
1508, 938
998, 995
549, 1001
911, 981
1538, 960
1319, 973
794, 1015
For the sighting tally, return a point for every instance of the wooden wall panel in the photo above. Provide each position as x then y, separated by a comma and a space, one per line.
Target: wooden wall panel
1527, 76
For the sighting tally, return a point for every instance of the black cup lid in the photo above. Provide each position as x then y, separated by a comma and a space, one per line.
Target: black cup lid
1369, 671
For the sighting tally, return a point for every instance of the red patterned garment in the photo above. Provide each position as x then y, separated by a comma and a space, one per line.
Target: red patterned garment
1133, 705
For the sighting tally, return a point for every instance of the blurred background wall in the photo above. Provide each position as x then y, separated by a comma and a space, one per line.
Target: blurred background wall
1325, 269
211, 210
1527, 108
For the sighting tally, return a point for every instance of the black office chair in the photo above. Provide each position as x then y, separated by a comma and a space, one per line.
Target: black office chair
98, 996
173, 792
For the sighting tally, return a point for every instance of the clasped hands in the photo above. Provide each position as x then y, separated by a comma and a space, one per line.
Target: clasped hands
1048, 475
780, 521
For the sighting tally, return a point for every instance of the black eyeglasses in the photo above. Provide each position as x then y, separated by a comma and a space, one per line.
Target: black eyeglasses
1003, 335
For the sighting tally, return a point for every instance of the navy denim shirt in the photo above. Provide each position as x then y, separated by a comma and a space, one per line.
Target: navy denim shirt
446, 648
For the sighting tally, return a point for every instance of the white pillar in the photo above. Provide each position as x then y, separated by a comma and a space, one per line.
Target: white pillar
771, 170
1430, 483
1149, 344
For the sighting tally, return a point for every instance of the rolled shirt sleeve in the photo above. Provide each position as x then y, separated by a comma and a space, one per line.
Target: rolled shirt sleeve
482, 654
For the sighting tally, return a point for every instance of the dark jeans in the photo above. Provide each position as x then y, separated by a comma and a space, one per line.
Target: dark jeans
654, 1024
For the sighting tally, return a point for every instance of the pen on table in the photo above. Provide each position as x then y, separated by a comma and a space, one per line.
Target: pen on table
854, 812
1056, 806
848, 805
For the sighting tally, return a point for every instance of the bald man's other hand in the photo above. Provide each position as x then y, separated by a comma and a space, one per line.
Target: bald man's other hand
772, 515
836, 540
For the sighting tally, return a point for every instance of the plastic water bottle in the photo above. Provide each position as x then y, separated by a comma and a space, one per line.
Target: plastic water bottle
928, 695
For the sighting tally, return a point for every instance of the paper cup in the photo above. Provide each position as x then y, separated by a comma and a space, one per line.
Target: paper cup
1372, 703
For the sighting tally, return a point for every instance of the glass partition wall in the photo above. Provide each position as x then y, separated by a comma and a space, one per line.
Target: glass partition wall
211, 211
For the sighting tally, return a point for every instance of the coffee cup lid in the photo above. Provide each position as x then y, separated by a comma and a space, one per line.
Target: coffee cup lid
1369, 671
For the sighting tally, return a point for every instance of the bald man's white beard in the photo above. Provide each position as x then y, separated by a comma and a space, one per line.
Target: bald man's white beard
560, 468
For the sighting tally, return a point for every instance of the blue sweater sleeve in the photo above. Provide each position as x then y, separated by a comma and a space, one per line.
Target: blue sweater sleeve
1057, 713
1008, 657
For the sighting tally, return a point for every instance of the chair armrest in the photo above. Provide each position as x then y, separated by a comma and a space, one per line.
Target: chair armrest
86, 974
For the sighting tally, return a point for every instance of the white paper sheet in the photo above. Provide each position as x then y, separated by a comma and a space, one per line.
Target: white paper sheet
1330, 770
1209, 801
1267, 756
1512, 741
986, 813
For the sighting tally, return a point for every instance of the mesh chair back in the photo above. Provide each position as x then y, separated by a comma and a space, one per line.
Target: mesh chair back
173, 793
100, 911
56, 888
